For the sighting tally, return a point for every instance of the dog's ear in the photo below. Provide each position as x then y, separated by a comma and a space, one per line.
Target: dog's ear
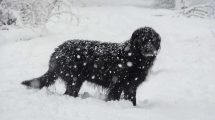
138, 36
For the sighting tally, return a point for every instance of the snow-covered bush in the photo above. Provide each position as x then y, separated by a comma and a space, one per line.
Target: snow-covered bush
30, 12
33, 13
7, 15
37, 12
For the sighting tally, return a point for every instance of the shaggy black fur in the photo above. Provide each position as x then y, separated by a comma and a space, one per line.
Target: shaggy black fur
119, 67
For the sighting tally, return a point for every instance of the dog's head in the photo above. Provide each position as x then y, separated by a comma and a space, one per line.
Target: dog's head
146, 41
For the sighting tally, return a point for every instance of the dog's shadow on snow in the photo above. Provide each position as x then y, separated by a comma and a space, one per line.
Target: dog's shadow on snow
144, 104
124, 104
141, 104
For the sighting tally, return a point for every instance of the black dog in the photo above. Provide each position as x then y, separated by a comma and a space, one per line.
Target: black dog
119, 67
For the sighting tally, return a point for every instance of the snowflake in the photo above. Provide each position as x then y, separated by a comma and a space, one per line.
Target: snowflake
75, 78
78, 56
129, 64
129, 54
85, 52
93, 77
75, 66
78, 49
120, 65
85, 64
35, 83
95, 66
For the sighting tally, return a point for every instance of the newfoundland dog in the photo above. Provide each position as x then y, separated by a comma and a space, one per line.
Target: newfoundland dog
118, 67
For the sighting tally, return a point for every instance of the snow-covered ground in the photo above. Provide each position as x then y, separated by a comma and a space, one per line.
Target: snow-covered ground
181, 85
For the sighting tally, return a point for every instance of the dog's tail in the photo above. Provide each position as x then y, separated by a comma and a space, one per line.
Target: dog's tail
47, 79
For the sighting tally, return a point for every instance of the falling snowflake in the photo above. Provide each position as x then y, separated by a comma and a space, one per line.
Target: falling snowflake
120, 65
75, 66
129, 54
78, 49
93, 77
95, 66
75, 78
85, 64
35, 84
78, 56
129, 64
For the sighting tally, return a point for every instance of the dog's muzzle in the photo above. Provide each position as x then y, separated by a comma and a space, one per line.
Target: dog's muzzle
149, 50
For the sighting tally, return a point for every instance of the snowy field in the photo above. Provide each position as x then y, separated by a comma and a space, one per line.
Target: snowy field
181, 85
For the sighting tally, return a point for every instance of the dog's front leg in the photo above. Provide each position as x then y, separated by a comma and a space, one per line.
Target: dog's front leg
130, 94
114, 92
